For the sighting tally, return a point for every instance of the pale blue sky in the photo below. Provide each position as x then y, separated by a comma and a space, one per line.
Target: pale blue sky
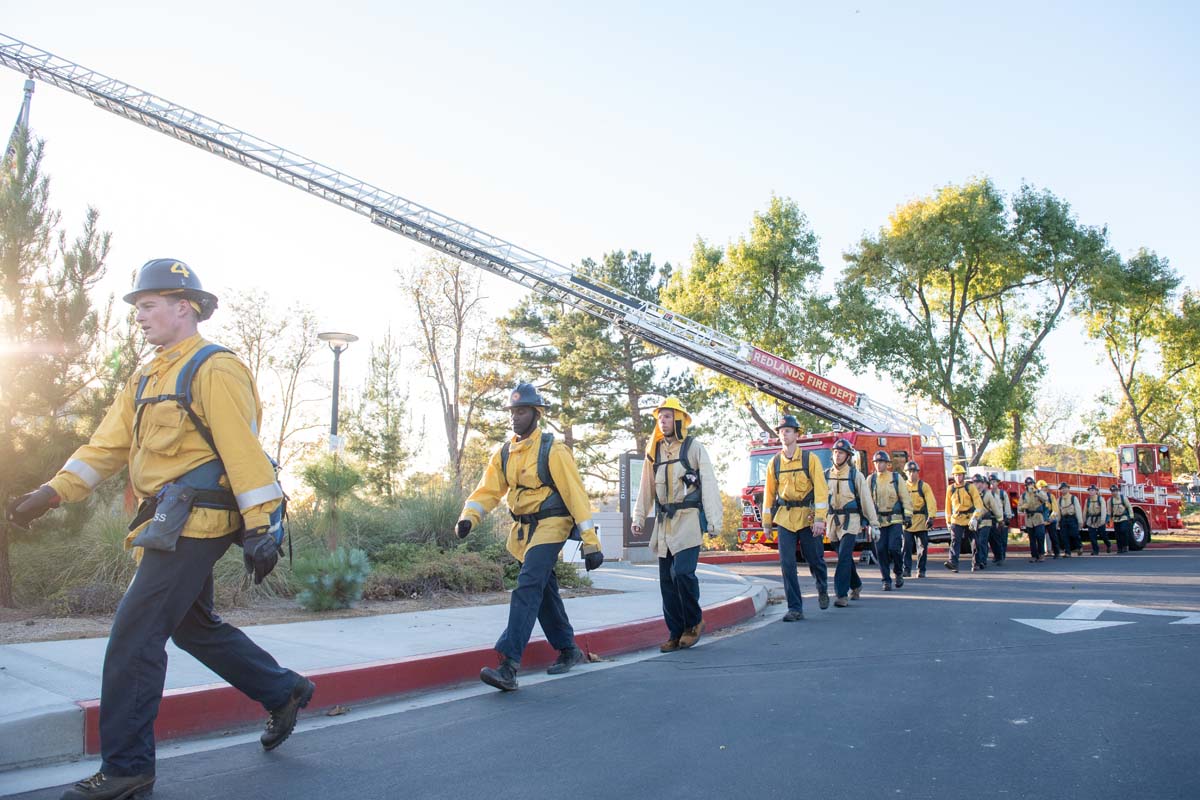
573, 129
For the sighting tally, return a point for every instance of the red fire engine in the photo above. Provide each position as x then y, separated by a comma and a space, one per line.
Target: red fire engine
1146, 473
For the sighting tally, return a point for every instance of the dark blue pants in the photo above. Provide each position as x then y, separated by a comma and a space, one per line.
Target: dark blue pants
1037, 541
1068, 531
889, 549
916, 542
813, 549
536, 598
958, 534
979, 546
1124, 532
172, 596
998, 541
1099, 533
1055, 540
845, 577
680, 590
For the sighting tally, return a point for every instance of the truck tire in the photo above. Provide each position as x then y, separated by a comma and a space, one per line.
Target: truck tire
1139, 531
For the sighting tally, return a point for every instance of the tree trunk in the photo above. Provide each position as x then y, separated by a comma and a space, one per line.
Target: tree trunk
1014, 452
6, 589
758, 418
959, 445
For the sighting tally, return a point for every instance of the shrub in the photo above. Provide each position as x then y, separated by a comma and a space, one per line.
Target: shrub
454, 571
571, 576
331, 580
87, 599
56, 563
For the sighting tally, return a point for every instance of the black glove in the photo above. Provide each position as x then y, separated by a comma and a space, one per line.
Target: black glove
31, 505
463, 528
593, 560
260, 553
908, 522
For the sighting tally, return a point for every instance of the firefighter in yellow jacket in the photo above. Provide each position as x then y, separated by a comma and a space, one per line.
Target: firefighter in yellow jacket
916, 533
186, 425
893, 506
680, 487
537, 477
850, 505
1036, 505
989, 515
962, 501
795, 499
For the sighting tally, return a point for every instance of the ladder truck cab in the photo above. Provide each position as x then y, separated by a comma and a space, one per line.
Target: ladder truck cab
902, 447
1145, 470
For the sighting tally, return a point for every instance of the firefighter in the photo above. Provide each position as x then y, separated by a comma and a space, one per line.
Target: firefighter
894, 508
546, 500
1052, 531
998, 540
1069, 515
989, 515
794, 501
679, 484
1120, 510
962, 501
204, 482
916, 534
1036, 505
850, 503
1095, 518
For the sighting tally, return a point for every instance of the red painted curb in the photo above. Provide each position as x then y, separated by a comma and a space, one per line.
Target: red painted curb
204, 709
940, 547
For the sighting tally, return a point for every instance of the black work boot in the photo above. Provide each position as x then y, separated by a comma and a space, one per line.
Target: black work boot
566, 659
283, 719
503, 677
111, 787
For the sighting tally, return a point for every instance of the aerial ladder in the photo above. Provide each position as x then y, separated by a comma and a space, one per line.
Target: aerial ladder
674, 333
22, 120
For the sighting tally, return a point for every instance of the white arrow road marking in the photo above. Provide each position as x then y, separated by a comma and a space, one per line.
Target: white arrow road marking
1068, 625
1081, 616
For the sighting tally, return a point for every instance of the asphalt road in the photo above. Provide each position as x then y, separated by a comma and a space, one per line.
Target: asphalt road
932, 691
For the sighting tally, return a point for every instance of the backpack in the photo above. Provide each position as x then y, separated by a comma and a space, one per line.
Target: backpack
806, 467
553, 505
920, 495
853, 506
693, 498
206, 477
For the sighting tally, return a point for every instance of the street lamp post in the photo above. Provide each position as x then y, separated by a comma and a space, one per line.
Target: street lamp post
337, 343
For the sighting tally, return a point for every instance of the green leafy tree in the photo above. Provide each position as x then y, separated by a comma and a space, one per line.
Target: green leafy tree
760, 289
380, 430
1130, 312
50, 331
955, 296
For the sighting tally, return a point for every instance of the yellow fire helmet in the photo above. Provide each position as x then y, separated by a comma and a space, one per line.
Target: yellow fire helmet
1041, 484
683, 421
958, 469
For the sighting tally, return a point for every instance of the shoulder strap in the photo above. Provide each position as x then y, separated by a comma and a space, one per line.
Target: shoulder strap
921, 488
896, 484
683, 452
543, 462
504, 460
183, 388
775, 462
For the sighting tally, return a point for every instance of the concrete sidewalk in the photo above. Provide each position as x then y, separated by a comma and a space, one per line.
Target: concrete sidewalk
51, 689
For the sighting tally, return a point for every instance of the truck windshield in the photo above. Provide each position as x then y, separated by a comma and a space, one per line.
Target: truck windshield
759, 464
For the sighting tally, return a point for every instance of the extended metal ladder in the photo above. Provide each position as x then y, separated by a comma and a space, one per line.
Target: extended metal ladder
674, 333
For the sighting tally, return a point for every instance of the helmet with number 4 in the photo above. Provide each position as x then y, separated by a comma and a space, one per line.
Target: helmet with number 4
169, 276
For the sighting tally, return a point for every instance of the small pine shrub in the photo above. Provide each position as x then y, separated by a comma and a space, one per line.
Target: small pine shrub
331, 580
454, 571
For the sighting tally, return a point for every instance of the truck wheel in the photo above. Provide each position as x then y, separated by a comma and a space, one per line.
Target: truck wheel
1139, 533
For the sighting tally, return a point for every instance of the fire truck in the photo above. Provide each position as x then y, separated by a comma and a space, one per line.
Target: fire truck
1145, 470
867, 420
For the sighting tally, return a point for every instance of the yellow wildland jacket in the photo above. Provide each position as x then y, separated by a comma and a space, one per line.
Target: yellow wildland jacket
991, 510
889, 492
168, 445
961, 504
1120, 509
924, 505
524, 493
849, 502
1034, 503
798, 494
664, 481
1095, 513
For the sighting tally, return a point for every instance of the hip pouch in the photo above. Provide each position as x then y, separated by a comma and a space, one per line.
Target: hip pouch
168, 512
